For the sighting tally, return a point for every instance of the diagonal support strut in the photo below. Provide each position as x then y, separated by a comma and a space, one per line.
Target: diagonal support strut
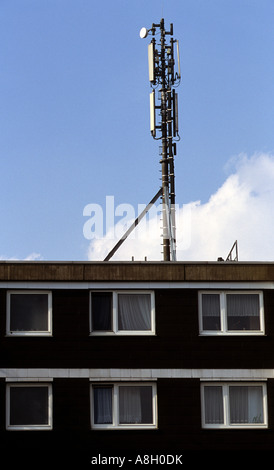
132, 227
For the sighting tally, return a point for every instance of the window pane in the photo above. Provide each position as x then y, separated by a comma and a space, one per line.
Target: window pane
213, 401
29, 406
243, 311
101, 310
102, 397
135, 405
134, 312
29, 312
246, 405
211, 312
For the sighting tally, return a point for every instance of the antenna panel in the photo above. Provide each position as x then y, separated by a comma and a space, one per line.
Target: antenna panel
175, 114
151, 64
152, 114
178, 60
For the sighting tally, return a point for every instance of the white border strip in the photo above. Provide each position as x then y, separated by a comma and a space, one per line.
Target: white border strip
137, 374
109, 285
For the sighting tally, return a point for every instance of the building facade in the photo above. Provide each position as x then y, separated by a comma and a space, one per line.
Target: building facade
137, 358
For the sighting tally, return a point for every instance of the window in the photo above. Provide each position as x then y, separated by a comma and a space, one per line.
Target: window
231, 312
29, 313
234, 405
122, 312
29, 406
123, 406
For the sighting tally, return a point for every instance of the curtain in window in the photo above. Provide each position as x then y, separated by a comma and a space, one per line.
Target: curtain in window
135, 405
243, 311
102, 397
130, 410
134, 312
213, 402
246, 404
211, 311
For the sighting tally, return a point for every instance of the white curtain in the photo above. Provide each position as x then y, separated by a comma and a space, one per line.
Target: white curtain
134, 312
211, 311
243, 311
102, 405
246, 404
130, 409
213, 401
135, 405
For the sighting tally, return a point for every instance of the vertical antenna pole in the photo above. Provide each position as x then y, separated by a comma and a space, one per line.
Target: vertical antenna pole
164, 161
162, 73
171, 174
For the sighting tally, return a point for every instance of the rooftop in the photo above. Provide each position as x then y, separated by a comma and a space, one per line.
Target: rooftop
77, 271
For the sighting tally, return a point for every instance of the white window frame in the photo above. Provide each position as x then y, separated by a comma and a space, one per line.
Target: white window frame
28, 427
226, 411
47, 332
115, 406
223, 314
115, 329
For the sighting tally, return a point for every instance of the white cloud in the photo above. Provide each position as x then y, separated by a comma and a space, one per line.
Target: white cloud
31, 257
241, 209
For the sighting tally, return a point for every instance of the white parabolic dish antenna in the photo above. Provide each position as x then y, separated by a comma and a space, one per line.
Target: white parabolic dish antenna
143, 33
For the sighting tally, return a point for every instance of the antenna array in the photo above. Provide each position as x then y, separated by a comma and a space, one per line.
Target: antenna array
164, 127
164, 120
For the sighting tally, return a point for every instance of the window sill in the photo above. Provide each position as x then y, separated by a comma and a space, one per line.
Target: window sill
124, 428
28, 334
123, 333
232, 333
235, 427
29, 428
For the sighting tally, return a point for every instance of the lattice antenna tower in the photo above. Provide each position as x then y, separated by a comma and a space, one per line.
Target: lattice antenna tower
163, 59
164, 77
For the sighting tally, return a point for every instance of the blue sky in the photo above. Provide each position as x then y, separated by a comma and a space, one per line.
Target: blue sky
74, 114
